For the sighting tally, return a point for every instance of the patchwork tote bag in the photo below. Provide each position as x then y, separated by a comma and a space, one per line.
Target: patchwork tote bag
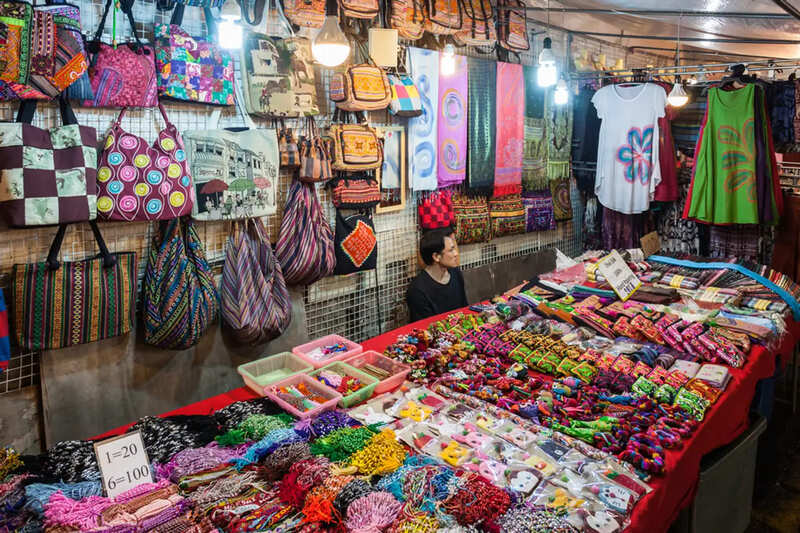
234, 171
190, 68
255, 305
315, 156
47, 176
356, 244
140, 181
179, 299
59, 304
305, 247
121, 75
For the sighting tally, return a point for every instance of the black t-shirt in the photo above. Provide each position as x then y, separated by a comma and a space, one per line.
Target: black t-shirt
427, 297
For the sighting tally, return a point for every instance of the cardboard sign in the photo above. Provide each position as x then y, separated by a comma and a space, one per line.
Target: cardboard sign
123, 463
619, 275
650, 243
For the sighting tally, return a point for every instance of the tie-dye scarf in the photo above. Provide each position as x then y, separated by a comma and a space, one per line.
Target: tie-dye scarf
510, 129
452, 124
422, 130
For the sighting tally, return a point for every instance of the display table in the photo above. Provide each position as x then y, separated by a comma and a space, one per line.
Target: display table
723, 422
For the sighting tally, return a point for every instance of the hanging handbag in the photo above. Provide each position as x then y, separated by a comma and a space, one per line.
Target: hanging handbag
407, 17
363, 87
359, 9
356, 244
512, 26
478, 28
254, 302
356, 146
356, 191
443, 17
287, 147
123, 75
538, 211
137, 181
193, 69
179, 300
278, 76
47, 176
435, 210
471, 216
507, 215
17, 26
305, 247
55, 305
305, 13
406, 101
315, 157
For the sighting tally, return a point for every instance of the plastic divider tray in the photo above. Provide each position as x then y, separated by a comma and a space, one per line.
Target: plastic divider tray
262, 372
343, 369
397, 370
303, 350
332, 397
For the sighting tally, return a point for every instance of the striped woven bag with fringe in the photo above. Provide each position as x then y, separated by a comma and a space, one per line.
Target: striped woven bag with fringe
179, 296
255, 304
305, 247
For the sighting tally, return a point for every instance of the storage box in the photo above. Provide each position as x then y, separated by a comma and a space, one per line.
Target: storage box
311, 384
397, 370
304, 350
344, 369
262, 372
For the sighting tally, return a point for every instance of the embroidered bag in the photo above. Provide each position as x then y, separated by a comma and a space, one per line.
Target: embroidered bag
305, 247
179, 299
512, 26
315, 157
356, 146
47, 176
16, 21
471, 216
123, 75
72, 62
356, 191
538, 211
305, 13
278, 76
407, 17
193, 69
138, 181
55, 305
356, 244
254, 302
478, 28
507, 215
359, 9
435, 210
443, 17
363, 87
5, 345
235, 171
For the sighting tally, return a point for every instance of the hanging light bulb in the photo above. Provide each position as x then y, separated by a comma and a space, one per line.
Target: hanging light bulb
330, 47
447, 65
677, 96
230, 31
561, 96
547, 74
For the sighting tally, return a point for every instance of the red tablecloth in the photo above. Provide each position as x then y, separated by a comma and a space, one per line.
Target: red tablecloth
723, 422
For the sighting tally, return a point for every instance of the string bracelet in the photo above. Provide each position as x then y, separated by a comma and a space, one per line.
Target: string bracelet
193, 460
382, 455
419, 523
350, 493
278, 463
234, 414
270, 442
254, 427
477, 500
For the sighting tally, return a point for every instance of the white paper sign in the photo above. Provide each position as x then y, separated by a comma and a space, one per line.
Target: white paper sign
619, 275
123, 463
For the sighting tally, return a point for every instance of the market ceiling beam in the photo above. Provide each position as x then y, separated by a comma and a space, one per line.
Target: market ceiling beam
789, 8
660, 12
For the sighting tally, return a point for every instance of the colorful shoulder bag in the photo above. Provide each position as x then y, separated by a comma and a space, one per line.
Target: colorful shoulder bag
55, 305
47, 176
471, 216
478, 29
443, 17
356, 243
193, 69
407, 17
356, 146
355, 191
406, 101
140, 181
435, 210
305, 13
539, 214
287, 147
315, 156
512, 26
359, 9
507, 215
363, 87
123, 75
179, 298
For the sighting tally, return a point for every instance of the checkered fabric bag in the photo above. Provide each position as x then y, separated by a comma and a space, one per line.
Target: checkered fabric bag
435, 210
47, 176
405, 97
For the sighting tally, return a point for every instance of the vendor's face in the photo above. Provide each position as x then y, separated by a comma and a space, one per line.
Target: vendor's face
449, 256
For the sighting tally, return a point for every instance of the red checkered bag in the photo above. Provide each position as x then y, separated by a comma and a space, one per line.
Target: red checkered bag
435, 210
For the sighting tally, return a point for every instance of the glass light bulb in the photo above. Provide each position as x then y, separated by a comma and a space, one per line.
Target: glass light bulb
447, 65
330, 46
677, 96
230, 33
547, 75
561, 96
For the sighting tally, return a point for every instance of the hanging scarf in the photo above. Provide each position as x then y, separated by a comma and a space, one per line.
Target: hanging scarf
559, 138
453, 125
510, 129
534, 175
482, 122
562, 201
422, 130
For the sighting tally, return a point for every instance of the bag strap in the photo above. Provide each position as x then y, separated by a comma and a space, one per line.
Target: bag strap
27, 108
258, 11
281, 16
52, 256
177, 19
213, 122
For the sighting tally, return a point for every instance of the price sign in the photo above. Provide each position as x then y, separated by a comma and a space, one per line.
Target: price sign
123, 463
619, 275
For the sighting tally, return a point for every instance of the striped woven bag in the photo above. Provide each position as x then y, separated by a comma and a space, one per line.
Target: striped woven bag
255, 305
305, 241
179, 297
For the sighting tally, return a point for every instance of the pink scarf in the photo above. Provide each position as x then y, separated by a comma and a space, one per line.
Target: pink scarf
452, 125
510, 129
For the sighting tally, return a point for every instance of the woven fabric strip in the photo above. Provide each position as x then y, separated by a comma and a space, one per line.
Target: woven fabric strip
422, 130
510, 129
452, 125
482, 123
5, 347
